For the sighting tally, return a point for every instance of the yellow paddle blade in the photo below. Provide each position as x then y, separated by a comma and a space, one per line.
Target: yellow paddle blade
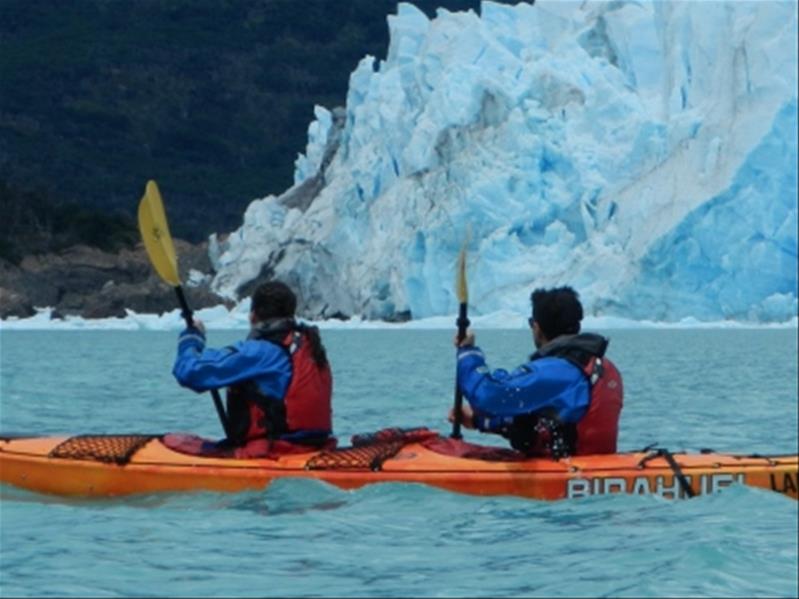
461, 288
155, 234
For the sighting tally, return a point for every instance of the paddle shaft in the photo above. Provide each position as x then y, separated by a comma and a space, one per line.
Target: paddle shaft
463, 324
187, 315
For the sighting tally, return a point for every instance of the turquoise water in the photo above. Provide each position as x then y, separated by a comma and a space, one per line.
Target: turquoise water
730, 390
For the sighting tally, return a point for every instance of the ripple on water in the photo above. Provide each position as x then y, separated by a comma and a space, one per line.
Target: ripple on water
306, 538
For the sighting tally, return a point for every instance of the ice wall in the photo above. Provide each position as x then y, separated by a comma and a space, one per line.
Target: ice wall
643, 152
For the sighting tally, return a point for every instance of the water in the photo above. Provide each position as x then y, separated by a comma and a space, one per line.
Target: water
731, 390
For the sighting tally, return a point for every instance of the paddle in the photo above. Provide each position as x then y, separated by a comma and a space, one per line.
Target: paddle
462, 322
161, 251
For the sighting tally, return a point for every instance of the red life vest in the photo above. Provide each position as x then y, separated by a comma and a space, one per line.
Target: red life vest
598, 430
309, 394
306, 406
543, 434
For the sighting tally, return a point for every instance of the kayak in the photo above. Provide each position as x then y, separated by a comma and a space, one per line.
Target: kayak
119, 465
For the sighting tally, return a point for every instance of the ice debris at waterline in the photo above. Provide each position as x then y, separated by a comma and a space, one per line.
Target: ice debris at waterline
221, 318
643, 152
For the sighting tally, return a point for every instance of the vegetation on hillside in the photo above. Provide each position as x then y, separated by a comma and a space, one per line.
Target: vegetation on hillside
32, 223
211, 98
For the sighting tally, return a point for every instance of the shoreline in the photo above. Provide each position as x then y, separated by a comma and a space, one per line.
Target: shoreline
220, 318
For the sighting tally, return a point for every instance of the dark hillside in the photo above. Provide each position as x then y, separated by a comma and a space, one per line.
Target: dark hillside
212, 98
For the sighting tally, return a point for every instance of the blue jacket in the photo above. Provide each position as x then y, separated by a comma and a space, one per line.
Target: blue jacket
499, 396
201, 369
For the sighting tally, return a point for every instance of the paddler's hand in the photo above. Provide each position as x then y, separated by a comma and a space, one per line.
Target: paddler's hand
468, 339
198, 324
467, 416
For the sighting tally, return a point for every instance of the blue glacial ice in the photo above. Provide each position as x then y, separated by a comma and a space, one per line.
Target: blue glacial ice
643, 152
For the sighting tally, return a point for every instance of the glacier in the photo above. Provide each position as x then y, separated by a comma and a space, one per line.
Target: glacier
644, 152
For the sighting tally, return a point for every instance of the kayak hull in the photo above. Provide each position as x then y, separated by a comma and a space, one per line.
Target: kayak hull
27, 463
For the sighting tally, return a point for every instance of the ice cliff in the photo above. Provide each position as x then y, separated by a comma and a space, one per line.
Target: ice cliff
643, 152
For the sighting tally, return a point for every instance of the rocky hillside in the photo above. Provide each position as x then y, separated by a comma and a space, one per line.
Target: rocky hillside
89, 282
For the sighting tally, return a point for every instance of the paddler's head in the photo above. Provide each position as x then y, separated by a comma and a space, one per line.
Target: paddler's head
556, 312
272, 300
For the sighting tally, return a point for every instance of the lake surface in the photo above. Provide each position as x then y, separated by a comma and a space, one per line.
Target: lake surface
727, 389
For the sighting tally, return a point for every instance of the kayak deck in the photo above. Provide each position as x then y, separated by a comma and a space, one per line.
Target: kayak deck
33, 464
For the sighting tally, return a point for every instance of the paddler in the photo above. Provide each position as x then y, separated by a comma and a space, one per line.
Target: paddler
278, 379
566, 400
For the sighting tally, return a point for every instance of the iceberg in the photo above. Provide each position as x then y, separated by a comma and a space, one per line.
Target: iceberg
642, 152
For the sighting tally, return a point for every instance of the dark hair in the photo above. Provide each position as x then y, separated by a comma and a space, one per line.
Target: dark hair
276, 300
273, 300
557, 311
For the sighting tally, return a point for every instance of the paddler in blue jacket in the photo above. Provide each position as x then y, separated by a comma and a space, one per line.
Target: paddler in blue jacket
566, 400
278, 379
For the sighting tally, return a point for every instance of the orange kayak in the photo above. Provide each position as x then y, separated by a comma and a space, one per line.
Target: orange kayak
118, 465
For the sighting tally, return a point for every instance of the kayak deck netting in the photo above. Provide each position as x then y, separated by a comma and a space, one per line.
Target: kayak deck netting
117, 465
116, 449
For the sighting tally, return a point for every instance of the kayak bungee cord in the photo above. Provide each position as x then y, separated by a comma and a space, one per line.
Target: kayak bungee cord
675, 467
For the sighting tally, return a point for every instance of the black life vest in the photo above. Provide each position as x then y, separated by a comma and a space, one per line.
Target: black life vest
543, 434
303, 415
